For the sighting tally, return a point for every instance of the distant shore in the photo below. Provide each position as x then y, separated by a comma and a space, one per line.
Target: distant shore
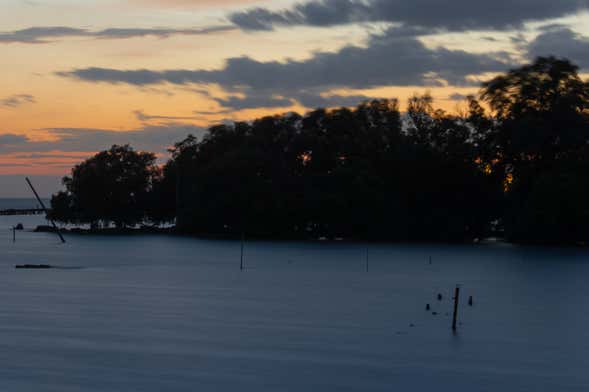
172, 230
108, 231
21, 212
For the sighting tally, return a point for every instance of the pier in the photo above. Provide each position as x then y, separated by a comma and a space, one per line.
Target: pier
30, 211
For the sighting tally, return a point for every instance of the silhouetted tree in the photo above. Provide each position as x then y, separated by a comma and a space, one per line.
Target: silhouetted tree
368, 172
542, 136
111, 187
342, 172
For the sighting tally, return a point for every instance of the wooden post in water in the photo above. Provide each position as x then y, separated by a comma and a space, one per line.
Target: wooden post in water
242, 242
455, 317
45, 209
13, 234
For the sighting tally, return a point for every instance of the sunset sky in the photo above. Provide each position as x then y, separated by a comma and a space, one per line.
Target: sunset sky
80, 75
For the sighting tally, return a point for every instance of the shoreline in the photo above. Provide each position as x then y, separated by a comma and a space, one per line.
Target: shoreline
172, 231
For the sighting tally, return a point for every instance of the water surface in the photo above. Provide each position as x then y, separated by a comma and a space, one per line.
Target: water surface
162, 313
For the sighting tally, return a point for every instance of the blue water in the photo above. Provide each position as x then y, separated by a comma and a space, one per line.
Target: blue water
6, 204
162, 313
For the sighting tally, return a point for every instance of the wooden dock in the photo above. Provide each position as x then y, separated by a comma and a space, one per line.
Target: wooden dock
31, 211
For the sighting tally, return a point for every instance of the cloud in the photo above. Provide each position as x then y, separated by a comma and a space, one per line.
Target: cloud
455, 15
386, 60
563, 41
17, 100
122, 33
12, 139
457, 97
156, 138
192, 3
142, 116
44, 35
311, 100
36, 35
254, 101
151, 138
52, 155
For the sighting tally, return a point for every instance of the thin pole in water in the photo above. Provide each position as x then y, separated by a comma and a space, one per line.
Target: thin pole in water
455, 317
242, 243
13, 234
45, 209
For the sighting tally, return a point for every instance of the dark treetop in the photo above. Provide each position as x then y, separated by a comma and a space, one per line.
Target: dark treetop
368, 172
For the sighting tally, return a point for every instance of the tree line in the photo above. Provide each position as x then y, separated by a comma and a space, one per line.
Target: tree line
514, 162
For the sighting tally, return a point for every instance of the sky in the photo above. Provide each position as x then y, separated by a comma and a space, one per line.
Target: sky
78, 76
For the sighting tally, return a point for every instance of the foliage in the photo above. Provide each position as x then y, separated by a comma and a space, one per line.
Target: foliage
111, 187
338, 173
368, 172
542, 136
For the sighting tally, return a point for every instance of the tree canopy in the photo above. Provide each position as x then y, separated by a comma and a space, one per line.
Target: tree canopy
542, 141
110, 187
352, 173
515, 158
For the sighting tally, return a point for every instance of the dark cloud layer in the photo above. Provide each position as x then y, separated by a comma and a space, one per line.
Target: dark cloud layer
44, 35
562, 41
455, 15
386, 60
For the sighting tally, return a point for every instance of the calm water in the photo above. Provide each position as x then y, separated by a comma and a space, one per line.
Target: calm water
6, 204
158, 313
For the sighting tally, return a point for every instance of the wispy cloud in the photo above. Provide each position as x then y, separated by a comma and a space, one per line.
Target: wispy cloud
45, 35
154, 138
144, 117
308, 99
12, 139
457, 97
385, 60
14, 101
254, 101
151, 138
455, 15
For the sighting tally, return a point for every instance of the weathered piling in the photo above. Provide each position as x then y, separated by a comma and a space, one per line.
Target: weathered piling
456, 298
